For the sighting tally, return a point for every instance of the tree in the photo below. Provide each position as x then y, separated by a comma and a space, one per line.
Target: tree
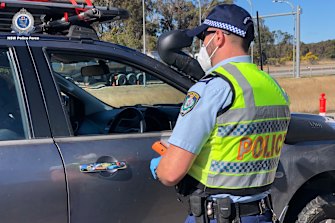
130, 32
310, 57
324, 49
284, 45
161, 16
165, 15
175, 14
267, 41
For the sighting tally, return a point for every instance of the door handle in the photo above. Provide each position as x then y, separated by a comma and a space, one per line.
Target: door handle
104, 166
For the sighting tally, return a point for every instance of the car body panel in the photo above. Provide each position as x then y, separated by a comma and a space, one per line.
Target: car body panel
306, 169
124, 195
33, 187
298, 164
30, 191
127, 194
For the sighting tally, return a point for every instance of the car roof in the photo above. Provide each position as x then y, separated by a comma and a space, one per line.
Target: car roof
57, 21
52, 17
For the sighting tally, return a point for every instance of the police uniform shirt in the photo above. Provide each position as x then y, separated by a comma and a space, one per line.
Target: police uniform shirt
198, 114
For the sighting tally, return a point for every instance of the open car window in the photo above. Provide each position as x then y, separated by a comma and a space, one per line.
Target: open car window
104, 96
114, 83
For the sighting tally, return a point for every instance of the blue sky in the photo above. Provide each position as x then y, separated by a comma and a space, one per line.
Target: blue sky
317, 22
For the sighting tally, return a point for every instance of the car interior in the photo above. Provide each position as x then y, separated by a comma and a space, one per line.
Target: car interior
77, 77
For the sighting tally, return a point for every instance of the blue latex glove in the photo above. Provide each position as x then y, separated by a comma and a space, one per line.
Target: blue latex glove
153, 166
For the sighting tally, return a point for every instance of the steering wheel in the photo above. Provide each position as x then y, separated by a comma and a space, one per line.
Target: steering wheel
128, 120
156, 120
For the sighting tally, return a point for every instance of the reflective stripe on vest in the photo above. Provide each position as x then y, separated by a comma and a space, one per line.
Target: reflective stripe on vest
264, 112
245, 167
250, 111
244, 147
241, 80
232, 182
261, 127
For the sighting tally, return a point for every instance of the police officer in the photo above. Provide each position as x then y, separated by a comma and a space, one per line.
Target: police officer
228, 137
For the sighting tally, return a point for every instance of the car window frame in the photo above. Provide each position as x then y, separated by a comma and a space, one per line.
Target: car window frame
34, 113
105, 50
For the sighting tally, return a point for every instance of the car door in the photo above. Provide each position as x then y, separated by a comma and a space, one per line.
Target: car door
128, 193
32, 182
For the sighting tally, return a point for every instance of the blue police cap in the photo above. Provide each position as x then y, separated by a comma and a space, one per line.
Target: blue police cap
229, 17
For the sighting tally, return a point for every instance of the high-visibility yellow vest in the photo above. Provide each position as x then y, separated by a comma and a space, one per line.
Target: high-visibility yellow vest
243, 149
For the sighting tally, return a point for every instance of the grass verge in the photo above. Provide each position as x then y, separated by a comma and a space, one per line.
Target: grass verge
304, 93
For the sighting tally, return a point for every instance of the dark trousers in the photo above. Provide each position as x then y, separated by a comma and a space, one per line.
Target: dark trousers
265, 218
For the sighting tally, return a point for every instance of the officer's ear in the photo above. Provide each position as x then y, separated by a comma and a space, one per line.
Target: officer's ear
220, 38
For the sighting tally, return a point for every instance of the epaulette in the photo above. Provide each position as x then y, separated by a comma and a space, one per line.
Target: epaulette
206, 79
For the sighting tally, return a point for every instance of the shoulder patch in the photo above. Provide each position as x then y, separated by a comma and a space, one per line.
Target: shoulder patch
190, 101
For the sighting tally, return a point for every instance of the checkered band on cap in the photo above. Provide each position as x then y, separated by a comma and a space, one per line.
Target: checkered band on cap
244, 167
253, 128
225, 26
